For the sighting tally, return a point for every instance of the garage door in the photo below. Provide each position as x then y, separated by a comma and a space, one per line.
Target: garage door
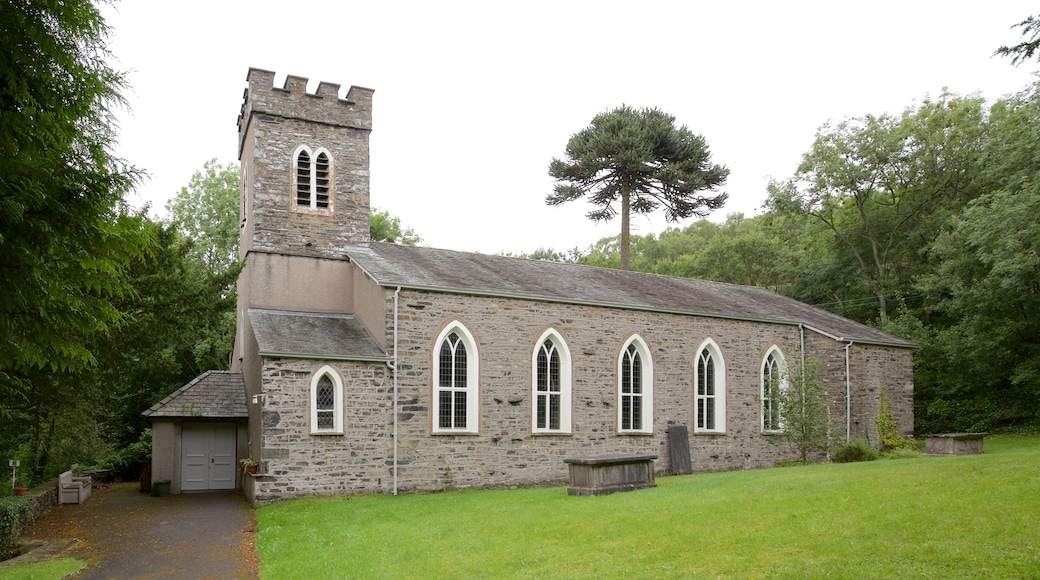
207, 456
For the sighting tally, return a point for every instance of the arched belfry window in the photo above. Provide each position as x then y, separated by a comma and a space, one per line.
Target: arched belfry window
312, 178
552, 384
326, 401
456, 390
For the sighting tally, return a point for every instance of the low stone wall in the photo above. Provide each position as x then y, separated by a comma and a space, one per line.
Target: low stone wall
41, 498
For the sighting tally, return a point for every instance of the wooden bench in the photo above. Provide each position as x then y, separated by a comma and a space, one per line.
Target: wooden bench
606, 474
72, 489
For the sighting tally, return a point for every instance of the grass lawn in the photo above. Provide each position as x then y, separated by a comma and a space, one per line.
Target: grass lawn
950, 517
46, 570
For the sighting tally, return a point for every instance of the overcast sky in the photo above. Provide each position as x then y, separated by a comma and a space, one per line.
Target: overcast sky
473, 99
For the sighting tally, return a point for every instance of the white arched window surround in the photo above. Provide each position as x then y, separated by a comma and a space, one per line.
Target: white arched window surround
312, 183
551, 407
461, 388
774, 368
709, 389
322, 407
635, 409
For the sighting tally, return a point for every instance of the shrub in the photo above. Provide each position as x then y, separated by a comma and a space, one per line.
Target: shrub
904, 453
128, 462
15, 513
855, 450
886, 427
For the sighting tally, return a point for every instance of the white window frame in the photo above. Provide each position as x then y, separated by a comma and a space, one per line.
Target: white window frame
781, 367
719, 399
312, 186
472, 388
646, 384
565, 383
337, 404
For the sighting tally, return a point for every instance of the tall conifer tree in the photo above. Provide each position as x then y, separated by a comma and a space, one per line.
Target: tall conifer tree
642, 160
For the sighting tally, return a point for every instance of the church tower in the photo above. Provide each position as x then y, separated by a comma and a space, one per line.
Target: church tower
304, 167
304, 201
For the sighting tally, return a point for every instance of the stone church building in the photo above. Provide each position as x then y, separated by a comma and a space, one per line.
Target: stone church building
371, 367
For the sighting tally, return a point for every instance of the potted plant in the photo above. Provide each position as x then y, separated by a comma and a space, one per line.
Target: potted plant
20, 490
249, 464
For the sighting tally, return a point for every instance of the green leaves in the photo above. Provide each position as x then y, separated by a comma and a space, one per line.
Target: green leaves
642, 160
206, 210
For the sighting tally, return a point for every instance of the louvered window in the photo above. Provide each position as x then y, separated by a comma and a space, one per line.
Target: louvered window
312, 179
303, 179
321, 180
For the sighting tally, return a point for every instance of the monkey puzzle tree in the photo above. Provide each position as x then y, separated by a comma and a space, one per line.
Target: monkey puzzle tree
640, 158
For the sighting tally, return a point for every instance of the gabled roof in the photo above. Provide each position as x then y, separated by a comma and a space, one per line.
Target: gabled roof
281, 333
212, 395
392, 265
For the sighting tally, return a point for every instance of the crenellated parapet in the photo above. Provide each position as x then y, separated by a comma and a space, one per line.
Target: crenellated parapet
292, 101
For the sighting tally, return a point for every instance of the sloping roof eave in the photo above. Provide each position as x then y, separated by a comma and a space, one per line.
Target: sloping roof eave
377, 261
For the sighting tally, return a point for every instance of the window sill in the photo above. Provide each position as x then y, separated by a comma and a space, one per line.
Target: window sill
635, 433
709, 433
327, 433
551, 434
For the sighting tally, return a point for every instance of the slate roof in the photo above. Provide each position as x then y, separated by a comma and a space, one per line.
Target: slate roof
392, 265
212, 395
312, 335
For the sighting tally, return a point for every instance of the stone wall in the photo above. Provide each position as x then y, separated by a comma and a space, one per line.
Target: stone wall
505, 452
273, 123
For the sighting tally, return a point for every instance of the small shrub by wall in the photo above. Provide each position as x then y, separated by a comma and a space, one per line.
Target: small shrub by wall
19, 512
15, 515
855, 450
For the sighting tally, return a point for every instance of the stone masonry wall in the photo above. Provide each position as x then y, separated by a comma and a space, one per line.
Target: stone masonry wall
296, 463
274, 122
505, 452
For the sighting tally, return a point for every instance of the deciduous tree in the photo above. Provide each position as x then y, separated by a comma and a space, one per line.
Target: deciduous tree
384, 227
886, 186
640, 160
206, 210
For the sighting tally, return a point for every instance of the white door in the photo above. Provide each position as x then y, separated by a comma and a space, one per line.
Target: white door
207, 456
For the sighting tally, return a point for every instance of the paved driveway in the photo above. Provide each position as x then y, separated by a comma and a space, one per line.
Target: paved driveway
123, 533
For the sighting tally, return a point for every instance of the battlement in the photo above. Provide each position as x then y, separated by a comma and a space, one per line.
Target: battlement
292, 101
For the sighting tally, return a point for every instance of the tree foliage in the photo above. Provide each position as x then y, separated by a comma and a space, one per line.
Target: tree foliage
207, 210
1026, 49
886, 185
922, 223
384, 227
642, 161
804, 407
64, 237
